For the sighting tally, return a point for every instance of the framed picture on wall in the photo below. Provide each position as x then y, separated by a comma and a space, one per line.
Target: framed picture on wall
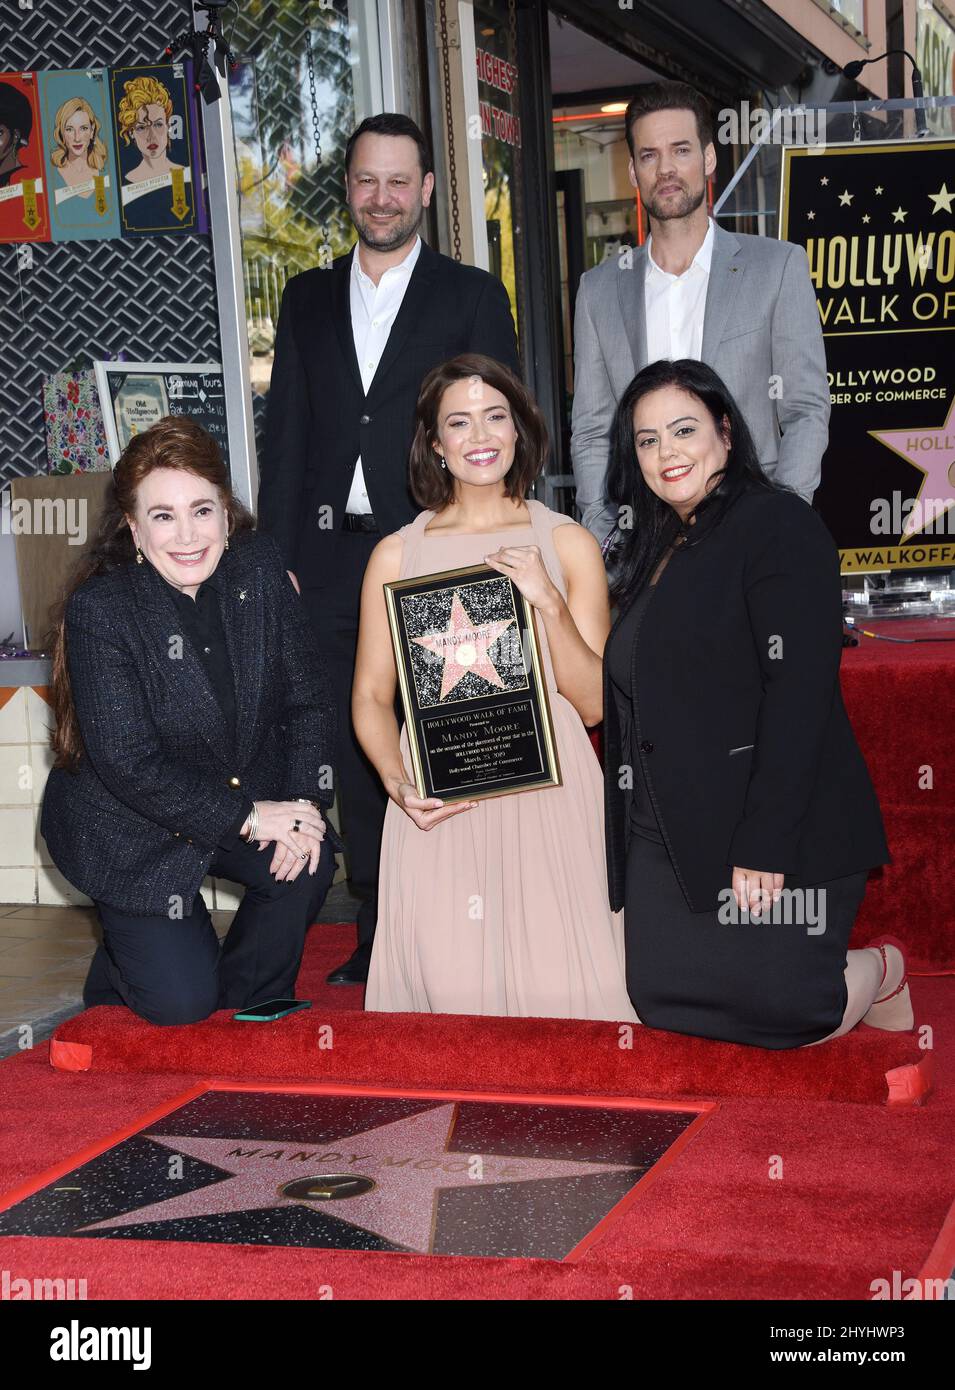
154, 149
80, 155
24, 209
134, 395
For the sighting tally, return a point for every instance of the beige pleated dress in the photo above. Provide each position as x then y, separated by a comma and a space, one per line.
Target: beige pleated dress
502, 909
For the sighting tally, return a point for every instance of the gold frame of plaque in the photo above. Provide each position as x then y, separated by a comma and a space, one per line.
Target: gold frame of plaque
518, 694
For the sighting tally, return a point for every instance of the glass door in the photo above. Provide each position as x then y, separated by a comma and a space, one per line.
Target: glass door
307, 74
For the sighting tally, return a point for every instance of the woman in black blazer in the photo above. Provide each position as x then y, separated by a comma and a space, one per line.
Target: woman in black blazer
193, 729
741, 820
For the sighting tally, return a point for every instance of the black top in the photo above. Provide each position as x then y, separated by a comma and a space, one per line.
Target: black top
620, 656
202, 621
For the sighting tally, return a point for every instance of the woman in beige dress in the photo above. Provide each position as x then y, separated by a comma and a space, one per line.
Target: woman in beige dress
497, 906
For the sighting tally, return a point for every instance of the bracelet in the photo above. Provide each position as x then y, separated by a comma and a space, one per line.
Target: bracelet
253, 824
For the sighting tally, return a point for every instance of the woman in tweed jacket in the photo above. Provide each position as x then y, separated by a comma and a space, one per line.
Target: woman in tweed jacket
194, 728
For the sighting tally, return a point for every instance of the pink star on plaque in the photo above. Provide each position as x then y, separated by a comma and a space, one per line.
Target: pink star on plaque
385, 1180
464, 647
932, 451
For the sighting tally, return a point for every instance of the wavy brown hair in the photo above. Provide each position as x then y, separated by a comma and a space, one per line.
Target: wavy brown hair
432, 486
174, 442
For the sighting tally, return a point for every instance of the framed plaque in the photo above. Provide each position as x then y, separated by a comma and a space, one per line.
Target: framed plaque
472, 685
134, 395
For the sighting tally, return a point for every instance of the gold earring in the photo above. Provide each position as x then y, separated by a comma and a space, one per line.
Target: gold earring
139, 556
227, 542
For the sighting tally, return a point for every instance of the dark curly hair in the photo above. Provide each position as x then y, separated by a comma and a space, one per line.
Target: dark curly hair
654, 523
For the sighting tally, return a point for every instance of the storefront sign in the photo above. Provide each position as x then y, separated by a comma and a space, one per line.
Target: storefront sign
497, 122
878, 226
935, 55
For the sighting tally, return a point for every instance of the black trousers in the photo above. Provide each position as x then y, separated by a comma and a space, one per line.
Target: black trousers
173, 971
334, 611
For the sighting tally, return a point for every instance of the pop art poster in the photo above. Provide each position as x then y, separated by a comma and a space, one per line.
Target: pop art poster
154, 149
24, 215
80, 157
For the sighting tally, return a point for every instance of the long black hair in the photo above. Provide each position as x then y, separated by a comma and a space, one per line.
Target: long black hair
653, 524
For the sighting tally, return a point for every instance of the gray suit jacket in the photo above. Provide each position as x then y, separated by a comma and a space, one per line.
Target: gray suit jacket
761, 333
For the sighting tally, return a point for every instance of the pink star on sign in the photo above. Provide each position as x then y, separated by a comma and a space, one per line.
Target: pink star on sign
464, 647
408, 1163
932, 451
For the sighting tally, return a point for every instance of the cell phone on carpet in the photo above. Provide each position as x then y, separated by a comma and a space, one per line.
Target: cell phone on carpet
270, 1010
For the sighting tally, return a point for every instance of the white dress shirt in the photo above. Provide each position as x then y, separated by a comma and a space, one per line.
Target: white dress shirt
373, 312
675, 305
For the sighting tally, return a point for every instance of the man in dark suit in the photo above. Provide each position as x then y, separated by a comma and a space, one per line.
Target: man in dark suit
353, 345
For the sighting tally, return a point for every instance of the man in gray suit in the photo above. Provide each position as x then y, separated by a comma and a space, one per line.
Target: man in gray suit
743, 304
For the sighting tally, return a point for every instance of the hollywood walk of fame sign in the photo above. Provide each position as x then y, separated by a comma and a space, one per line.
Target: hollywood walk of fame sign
878, 224
472, 684
242, 1164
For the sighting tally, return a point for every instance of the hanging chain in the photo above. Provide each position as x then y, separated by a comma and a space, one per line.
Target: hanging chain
324, 249
310, 65
517, 188
512, 30
449, 126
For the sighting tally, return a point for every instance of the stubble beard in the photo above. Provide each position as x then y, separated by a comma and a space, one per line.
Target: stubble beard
675, 208
402, 231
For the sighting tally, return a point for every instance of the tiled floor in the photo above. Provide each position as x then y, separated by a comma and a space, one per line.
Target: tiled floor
45, 954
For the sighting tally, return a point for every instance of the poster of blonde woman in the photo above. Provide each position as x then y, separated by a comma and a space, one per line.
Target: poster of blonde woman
79, 154
154, 149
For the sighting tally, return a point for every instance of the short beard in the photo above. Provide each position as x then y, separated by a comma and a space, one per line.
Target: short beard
687, 204
402, 232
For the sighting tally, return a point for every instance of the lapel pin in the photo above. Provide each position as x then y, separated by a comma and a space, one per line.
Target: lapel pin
241, 593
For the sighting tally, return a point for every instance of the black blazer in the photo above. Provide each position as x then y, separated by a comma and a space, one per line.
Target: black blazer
161, 780
319, 418
740, 724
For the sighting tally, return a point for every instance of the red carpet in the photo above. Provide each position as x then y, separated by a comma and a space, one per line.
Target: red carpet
865, 1190
900, 700
446, 1050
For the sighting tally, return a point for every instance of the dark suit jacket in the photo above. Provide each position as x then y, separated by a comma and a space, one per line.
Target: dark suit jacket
140, 820
741, 727
319, 418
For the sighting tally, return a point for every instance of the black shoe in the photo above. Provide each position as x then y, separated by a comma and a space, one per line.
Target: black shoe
355, 969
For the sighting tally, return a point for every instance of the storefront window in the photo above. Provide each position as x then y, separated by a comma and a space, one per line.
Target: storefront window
935, 55
851, 10
307, 75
